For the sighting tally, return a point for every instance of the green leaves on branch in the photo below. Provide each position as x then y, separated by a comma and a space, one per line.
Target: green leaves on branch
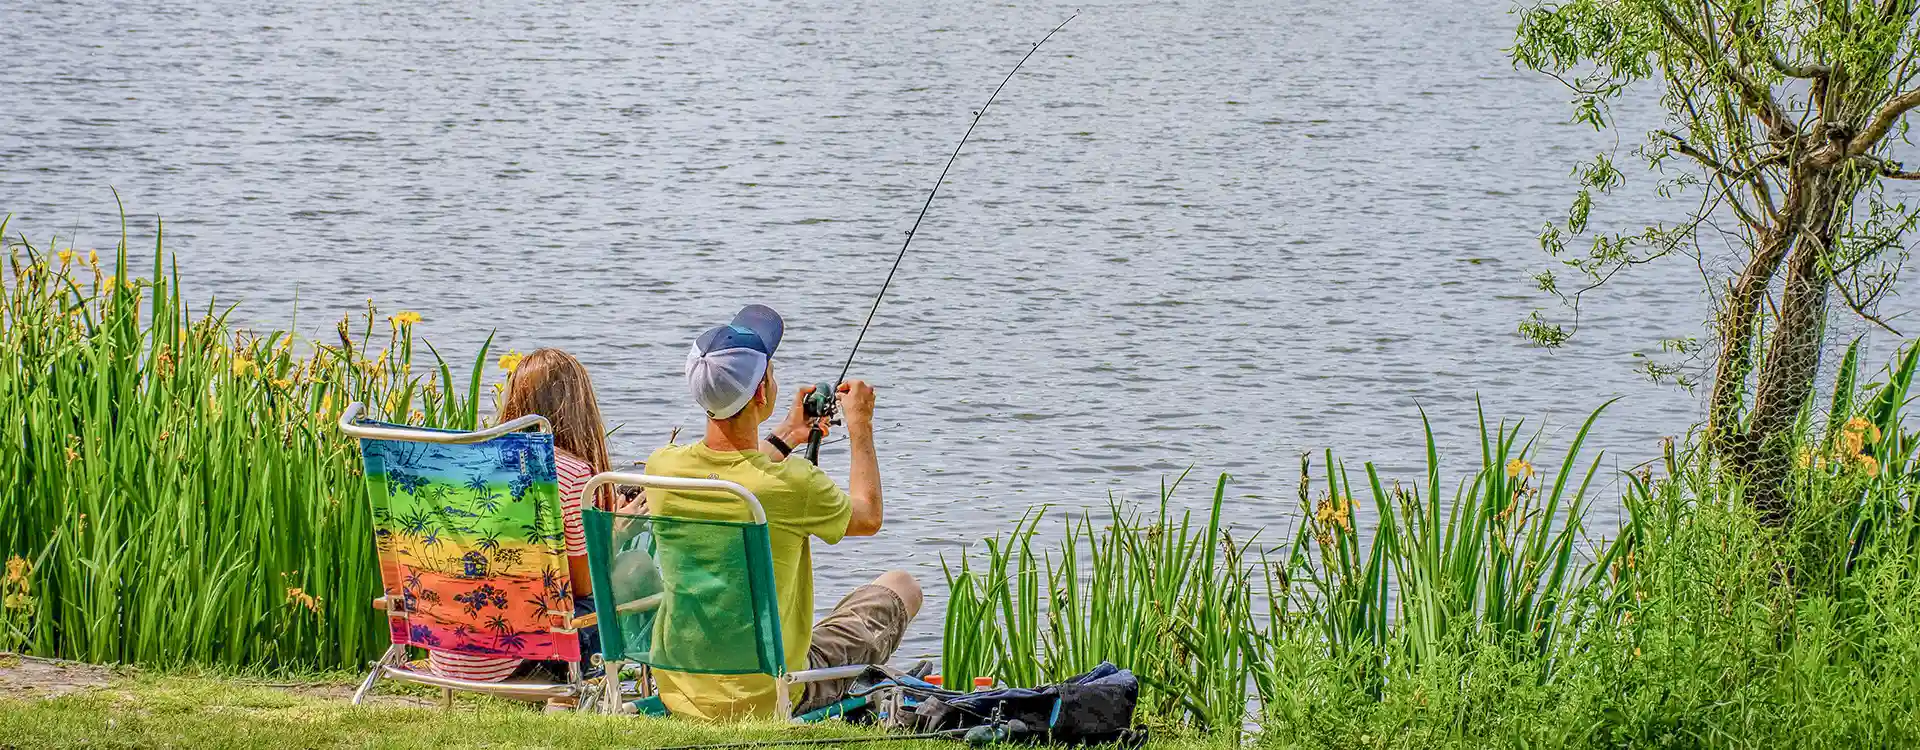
1776, 117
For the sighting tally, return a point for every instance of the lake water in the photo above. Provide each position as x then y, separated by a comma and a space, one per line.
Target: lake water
1189, 234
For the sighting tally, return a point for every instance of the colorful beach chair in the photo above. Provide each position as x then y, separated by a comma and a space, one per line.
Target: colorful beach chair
472, 552
691, 595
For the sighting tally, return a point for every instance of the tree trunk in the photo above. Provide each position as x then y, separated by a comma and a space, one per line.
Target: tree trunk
1739, 324
1738, 321
1786, 377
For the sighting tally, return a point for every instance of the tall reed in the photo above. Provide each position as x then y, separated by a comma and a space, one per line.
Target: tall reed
1202, 618
1165, 596
1487, 615
172, 487
1496, 561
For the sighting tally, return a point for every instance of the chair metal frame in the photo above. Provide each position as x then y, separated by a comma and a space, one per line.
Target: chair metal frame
783, 683
393, 663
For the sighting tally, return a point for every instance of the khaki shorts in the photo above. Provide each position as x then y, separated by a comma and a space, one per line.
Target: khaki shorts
864, 628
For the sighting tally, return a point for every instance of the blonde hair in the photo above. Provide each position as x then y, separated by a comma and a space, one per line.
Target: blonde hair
552, 384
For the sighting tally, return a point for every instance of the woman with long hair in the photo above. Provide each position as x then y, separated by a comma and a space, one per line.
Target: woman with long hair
552, 384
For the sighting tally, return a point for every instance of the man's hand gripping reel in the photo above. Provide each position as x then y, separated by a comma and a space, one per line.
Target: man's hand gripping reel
821, 404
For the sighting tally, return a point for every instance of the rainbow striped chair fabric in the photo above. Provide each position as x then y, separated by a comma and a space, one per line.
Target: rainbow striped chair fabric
472, 554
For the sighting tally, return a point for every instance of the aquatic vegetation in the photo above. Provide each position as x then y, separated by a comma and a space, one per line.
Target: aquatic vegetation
174, 484
1490, 615
1198, 614
1166, 597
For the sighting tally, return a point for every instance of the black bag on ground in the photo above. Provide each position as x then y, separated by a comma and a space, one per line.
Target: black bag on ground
1092, 708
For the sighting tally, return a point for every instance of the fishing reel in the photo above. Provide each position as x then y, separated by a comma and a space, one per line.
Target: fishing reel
822, 403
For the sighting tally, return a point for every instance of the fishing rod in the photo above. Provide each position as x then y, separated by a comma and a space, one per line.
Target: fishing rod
822, 406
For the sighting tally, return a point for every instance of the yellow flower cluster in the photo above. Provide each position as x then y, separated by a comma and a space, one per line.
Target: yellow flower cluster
19, 583
295, 596
511, 360
1850, 447
1858, 435
404, 318
1335, 513
1519, 469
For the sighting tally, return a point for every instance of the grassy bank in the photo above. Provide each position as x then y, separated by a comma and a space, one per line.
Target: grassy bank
173, 492
124, 708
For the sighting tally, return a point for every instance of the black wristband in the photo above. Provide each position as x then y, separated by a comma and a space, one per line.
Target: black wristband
780, 445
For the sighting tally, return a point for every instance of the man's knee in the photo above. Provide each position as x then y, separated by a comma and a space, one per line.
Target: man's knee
902, 584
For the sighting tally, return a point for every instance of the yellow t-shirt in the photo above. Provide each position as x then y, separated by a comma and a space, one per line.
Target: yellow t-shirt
800, 501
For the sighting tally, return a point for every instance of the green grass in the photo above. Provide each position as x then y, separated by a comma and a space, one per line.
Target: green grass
188, 709
152, 710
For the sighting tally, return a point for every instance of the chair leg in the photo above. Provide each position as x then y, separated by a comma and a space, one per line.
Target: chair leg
577, 682
610, 702
366, 685
379, 670
446, 699
783, 697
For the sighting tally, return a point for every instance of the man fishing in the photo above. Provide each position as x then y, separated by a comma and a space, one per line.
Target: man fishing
730, 371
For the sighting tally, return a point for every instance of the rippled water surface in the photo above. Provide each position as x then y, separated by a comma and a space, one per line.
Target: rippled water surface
1189, 234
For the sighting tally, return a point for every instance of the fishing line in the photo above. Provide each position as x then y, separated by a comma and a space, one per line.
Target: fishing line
936, 191
822, 405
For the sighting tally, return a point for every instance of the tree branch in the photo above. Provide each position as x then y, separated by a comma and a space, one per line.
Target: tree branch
1882, 122
1728, 174
1686, 149
1810, 70
1890, 169
1751, 92
1846, 293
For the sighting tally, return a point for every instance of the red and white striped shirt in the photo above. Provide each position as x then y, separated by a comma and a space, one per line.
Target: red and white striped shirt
572, 474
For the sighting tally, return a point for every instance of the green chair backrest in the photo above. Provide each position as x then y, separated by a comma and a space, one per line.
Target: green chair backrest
684, 594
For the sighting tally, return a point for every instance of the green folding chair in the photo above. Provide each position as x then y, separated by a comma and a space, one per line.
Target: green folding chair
689, 595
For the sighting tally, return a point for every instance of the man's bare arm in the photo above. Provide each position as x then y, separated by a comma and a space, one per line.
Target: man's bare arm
863, 483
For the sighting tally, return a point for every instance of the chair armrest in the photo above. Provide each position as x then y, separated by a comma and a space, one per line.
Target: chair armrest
380, 603
642, 604
593, 618
827, 673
